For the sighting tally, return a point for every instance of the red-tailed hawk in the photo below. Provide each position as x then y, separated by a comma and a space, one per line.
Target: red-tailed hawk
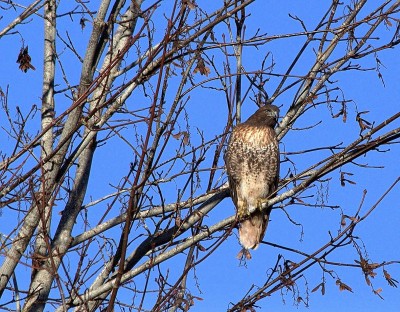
252, 164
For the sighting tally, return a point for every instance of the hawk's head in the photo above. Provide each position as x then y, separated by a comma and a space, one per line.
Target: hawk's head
266, 115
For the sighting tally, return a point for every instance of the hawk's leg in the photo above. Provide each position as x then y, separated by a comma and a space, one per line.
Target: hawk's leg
242, 211
260, 203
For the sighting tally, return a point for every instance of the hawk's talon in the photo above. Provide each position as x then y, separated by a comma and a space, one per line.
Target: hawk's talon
260, 203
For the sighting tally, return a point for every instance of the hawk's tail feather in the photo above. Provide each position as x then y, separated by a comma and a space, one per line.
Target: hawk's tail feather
252, 230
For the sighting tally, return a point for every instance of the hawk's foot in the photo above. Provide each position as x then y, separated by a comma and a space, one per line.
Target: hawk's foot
260, 203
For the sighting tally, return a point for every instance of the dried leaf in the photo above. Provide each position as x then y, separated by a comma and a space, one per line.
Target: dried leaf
82, 22
354, 219
344, 113
185, 135
24, 60
198, 298
322, 286
212, 36
338, 114
378, 292
388, 22
201, 67
374, 266
185, 138
176, 136
387, 275
368, 269
343, 179
190, 4
343, 286
299, 299
299, 200
363, 124
311, 98
178, 221
343, 220
200, 247
392, 282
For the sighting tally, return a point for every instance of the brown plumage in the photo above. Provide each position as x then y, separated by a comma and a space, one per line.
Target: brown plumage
252, 164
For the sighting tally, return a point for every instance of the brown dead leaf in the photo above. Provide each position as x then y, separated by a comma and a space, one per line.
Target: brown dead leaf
338, 114
178, 221
392, 282
343, 286
190, 4
183, 134
388, 22
24, 60
378, 292
343, 220
299, 299
200, 247
201, 67
354, 219
363, 124
343, 178
82, 22
368, 269
311, 98
322, 286
299, 200
344, 113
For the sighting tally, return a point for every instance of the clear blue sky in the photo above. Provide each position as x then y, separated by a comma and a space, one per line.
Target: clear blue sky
222, 278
